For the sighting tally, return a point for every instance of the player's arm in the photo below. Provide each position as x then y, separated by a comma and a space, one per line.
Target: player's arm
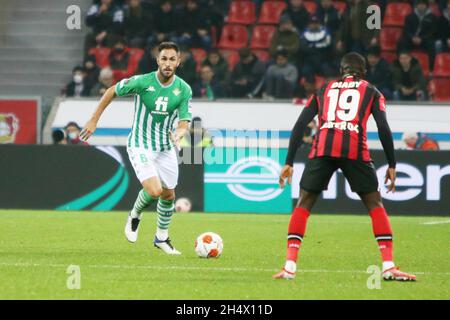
385, 134
122, 88
91, 125
296, 139
185, 117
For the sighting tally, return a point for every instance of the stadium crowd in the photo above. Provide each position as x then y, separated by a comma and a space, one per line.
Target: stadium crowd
270, 49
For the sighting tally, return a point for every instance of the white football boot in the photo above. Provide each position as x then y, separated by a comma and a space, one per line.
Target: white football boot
165, 246
132, 228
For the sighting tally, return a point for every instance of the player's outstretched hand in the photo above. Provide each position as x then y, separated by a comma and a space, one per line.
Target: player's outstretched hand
286, 172
88, 130
390, 175
175, 139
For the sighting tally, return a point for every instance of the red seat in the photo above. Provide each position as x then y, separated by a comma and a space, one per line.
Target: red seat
242, 12
442, 65
199, 55
396, 13
389, 56
311, 6
233, 37
232, 57
262, 55
439, 89
261, 36
435, 9
271, 11
423, 60
340, 6
389, 37
101, 56
135, 56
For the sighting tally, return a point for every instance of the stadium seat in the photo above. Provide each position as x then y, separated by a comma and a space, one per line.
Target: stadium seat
135, 56
311, 6
442, 65
389, 56
389, 37
232, 57
101, 56
199, 54
271, 11
423, 60
261, 36
435, 9
262, 55
233, 37
242, 12
438, 88
396, 13
340, 6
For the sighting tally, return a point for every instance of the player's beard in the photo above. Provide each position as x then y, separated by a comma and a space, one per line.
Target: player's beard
166, 74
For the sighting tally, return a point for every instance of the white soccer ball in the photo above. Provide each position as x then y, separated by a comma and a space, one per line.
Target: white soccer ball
209, 245
183, 205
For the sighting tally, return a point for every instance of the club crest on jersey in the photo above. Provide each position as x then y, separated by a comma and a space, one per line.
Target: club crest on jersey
176, 91
341, 126
343, 84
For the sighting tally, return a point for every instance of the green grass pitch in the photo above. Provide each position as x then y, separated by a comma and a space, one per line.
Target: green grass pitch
36, 248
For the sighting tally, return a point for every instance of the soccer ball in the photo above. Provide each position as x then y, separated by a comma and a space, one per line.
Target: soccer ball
209, 245
183, 205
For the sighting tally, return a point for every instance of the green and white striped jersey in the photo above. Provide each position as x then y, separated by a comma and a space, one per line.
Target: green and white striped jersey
156, 107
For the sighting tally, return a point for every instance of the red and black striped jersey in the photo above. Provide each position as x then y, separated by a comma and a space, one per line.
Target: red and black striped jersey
343, 108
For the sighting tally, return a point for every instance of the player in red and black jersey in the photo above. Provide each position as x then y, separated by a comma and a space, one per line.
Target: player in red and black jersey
343, 107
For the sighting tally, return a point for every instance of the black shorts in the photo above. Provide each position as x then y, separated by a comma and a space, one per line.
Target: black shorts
361, 175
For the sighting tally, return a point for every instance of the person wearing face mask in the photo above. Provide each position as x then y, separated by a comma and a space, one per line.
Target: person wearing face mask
73, 130
77, 87
119, 60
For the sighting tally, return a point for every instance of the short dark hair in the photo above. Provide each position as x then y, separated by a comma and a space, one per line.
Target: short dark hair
168, 45
374, 51
353, 64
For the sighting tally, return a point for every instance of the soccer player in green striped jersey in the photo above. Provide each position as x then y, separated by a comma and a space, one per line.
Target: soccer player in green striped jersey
160, 98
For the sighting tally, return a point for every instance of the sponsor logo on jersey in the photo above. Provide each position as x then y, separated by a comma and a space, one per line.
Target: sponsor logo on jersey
151, 89
340, 125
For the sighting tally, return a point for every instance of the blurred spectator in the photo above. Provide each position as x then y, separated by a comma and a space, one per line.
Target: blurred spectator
443, 42
188, 66
379, 72
164, 24
72, 133
105, 81
148, 61
219, 65
192, 26
408, 80
77, 87
353, 33
207, 87
91, 70
286, 37
297, 13
197, 136
59, 137
328, 16
305, 88
106, 20
138, 23
280, 78
420, 30
315, 48
419, 141
247, 74
119, 60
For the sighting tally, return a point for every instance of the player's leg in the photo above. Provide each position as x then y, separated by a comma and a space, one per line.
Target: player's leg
141, 161
167, 166
363, 180
383, 234
315, 178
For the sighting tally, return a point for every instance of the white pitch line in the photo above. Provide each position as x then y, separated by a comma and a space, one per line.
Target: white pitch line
150, 267
436, 222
